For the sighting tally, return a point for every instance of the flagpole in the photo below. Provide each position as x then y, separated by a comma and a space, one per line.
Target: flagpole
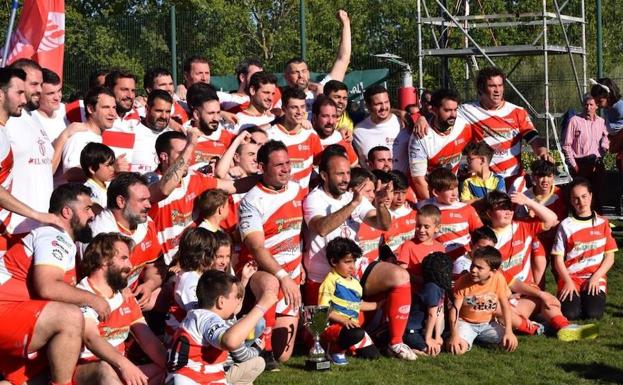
9, 31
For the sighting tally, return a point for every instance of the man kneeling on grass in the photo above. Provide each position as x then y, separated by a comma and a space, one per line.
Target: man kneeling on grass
476, 298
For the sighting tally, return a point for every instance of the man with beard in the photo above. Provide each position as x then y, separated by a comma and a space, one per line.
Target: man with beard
38, 299
381, 128
502, 125
107, 265
442, 145
214, 139
12, 102
332, 211
271, 217
127, 207
157, 119
296, 73
262, 88
34, 157
162, 79
123, 85
324, 119
173, 187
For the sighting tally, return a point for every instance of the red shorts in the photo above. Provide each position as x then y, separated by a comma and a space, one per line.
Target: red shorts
310, 292
18, 321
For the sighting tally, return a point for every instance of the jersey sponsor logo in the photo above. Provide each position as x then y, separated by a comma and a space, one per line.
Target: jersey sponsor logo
459, 141
303, 147
180, 219
190, 196
512, 261
120, 333
517, 242
585, 246
297, 203
487, 302
455, 215
288, 224
124, 310
56, 253
595, 232
145, 245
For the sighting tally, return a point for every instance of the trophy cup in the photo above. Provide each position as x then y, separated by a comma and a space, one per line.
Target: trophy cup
315, 319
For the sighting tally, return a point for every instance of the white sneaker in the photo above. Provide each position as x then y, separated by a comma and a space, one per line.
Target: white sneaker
402, 351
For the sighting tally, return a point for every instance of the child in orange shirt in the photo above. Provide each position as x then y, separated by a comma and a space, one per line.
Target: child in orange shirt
476, 298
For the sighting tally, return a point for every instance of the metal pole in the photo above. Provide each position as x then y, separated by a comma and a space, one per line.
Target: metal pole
419, 49
302, 31
173, 46
546, 74
600, 53
564, 33
583, 13
9, 31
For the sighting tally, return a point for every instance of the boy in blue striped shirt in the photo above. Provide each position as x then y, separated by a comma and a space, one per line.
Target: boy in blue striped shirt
343, 292
482, 180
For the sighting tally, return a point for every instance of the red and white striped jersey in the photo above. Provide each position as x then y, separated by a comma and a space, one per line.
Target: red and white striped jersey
246, 120
178, 113
436, 149
458, 220
502, 129
47, 246
184, 299
402, 228
279, 216
336, 138
584, 244
124, 312
516, 243
196, 353
6, 178
146, 249
173, 214
211, 147
370, 240
303, 145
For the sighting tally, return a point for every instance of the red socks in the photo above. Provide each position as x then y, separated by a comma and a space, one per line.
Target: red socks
526, 327
397, 310
270, 317
559, 322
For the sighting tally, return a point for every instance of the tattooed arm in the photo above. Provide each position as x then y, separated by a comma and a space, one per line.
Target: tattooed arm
173, 175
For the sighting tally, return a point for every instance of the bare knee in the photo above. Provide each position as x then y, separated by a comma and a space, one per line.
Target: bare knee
262, 282
398, 276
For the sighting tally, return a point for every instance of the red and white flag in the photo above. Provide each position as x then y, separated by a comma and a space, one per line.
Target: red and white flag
40, 34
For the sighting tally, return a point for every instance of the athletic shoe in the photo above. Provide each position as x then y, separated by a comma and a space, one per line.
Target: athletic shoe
540, 328
574, 332
338, 359
271, 363
401, 351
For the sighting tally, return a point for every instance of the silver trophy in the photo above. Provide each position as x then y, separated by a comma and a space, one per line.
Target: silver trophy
315, 319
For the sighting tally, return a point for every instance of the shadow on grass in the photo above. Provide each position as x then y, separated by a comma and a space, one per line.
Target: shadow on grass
595, 371
615, 346
615, 310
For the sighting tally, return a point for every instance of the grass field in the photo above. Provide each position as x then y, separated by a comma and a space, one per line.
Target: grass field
538, 360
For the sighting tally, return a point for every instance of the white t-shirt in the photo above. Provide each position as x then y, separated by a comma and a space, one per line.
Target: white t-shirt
319, 203
245, 120
73, 147
32, 168
52, 126
98, 193
144, 157
368, 135
185, 292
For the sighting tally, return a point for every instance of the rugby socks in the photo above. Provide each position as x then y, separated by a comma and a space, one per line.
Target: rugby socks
558, 322
527, 327
397, 310
270, 317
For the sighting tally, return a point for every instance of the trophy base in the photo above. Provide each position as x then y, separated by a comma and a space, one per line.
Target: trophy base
317, 365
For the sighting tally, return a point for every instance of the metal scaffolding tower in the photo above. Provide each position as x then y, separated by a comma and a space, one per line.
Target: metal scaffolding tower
542, 20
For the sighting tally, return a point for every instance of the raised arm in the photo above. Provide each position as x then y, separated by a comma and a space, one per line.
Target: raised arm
545, 215
343, 54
